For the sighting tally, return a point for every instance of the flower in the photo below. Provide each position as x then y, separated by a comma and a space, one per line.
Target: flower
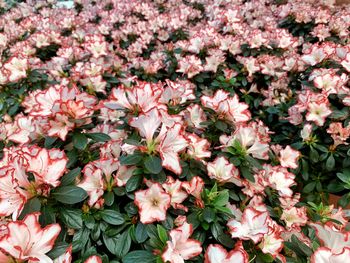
181, 247
93, 259
26, 240
152, 203
17, 68
217, 254
318, 112
289, 157
253, 225
223, 171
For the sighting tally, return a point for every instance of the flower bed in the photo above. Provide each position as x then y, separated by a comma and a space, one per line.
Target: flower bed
169, 131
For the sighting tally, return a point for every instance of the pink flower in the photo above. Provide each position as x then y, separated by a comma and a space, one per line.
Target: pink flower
272, 242
294, 217
17, 68
93, 259
175, 189
223, 171
325, 255
147, 124
48, 166
198, 148
181, 247
250, 140
12, 196
152, 203
253, 225
171, 144
226, 107
318, 112
217, 254
93, 182
26, 240
289, 157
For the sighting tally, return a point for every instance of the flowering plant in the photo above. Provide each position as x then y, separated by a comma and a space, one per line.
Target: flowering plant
174, 131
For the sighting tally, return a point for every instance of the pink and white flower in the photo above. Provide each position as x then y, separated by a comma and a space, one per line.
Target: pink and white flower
152, 203
181, 247
253, 225
26, 240
217, 254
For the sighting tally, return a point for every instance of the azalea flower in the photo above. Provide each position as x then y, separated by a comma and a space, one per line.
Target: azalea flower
17, 68
181, 247
335, 244
223, 171
152, 203
93, 259
168, 143
226, 107
253, 225
26, 240
294, 217
48, 166
217, 254
318, 112
289, 157
250, 141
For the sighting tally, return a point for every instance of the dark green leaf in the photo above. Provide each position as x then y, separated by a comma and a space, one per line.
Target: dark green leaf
72, 218
80, 141
69, 177
130, 159
69, 194
140, 256
133, 183
153, 164
247, 174
98, 136
33, 205
209, 215
330, 163
141, 232
112, 217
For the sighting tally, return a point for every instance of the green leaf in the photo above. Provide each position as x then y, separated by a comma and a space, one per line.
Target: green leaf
344, 200
69, 194
247, 174
221, 126
109, 198
162, 234
33, 205
309, 187
49, 141
221, 199
69, 177
209, 215
98, 136
112, 217
140, 256
58, 250
72, 218
153, 164
133, 183
80, 141
141, 232
330, 163
123, 244
306, 250
131, 159
314, 156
